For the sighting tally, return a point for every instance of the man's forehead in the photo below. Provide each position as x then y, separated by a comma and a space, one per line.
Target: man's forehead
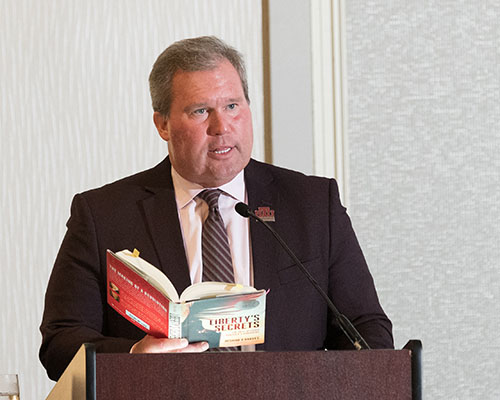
198, 86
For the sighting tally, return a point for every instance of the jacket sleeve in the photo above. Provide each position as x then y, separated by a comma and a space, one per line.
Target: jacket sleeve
75, 297
351, 285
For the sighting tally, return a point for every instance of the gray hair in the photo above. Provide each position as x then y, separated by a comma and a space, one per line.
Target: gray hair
196, 54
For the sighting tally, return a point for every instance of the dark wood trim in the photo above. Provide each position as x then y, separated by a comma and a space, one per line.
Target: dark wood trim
415, 346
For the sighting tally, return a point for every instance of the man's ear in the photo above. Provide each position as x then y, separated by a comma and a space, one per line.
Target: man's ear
161, 123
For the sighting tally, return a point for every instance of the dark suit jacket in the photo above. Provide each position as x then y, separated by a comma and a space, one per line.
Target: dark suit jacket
140, 212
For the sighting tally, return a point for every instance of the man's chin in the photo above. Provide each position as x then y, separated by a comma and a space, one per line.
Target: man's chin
220, 176
215, 173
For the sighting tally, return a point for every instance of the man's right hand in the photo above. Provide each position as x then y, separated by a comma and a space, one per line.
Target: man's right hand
151, 344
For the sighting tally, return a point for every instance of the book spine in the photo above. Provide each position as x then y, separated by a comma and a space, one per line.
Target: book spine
174, 321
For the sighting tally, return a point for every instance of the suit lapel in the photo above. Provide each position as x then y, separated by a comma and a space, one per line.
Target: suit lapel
264, 247
160, 213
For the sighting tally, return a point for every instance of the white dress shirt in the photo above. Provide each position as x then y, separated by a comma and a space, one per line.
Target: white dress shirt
193, 212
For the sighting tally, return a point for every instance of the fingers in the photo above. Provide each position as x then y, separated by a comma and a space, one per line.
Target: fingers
150, 344
193, 348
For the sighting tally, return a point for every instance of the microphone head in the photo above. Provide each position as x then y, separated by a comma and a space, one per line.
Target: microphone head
242, 209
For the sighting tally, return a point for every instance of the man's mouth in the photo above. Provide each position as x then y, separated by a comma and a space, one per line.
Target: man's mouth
222, 150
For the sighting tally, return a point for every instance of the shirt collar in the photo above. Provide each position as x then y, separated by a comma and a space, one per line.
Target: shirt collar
185, 191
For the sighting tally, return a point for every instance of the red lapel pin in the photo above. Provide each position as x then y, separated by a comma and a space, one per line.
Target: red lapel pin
265, 213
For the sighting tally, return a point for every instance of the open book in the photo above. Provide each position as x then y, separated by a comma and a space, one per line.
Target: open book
222, 314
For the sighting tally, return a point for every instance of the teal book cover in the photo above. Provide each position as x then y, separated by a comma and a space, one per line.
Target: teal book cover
226, 321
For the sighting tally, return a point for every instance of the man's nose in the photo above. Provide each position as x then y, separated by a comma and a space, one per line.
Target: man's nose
218, 124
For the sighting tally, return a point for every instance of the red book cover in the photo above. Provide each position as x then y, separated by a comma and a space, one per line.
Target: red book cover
136, 299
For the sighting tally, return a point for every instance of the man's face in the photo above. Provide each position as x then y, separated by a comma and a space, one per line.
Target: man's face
209, 129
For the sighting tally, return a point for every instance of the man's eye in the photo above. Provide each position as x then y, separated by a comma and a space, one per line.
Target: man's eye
232, 106
200, 111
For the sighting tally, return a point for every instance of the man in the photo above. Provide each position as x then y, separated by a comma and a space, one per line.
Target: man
201, 108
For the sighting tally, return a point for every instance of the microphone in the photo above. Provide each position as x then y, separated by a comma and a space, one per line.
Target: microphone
347, 327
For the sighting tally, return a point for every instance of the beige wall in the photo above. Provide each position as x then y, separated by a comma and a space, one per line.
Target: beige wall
424, 116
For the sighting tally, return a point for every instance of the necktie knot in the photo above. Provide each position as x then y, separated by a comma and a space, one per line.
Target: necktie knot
211, 196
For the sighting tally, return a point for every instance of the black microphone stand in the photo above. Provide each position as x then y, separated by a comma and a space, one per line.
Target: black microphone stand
347, 327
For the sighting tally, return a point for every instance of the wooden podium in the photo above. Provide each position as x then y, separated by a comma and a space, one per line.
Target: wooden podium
368, 374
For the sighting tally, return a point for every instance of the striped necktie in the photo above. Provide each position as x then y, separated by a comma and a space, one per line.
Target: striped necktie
216, 254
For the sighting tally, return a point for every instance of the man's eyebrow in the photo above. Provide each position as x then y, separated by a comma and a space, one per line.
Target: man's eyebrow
234, 100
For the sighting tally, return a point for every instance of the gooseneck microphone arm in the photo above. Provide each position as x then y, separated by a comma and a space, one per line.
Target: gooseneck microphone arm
347, 327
